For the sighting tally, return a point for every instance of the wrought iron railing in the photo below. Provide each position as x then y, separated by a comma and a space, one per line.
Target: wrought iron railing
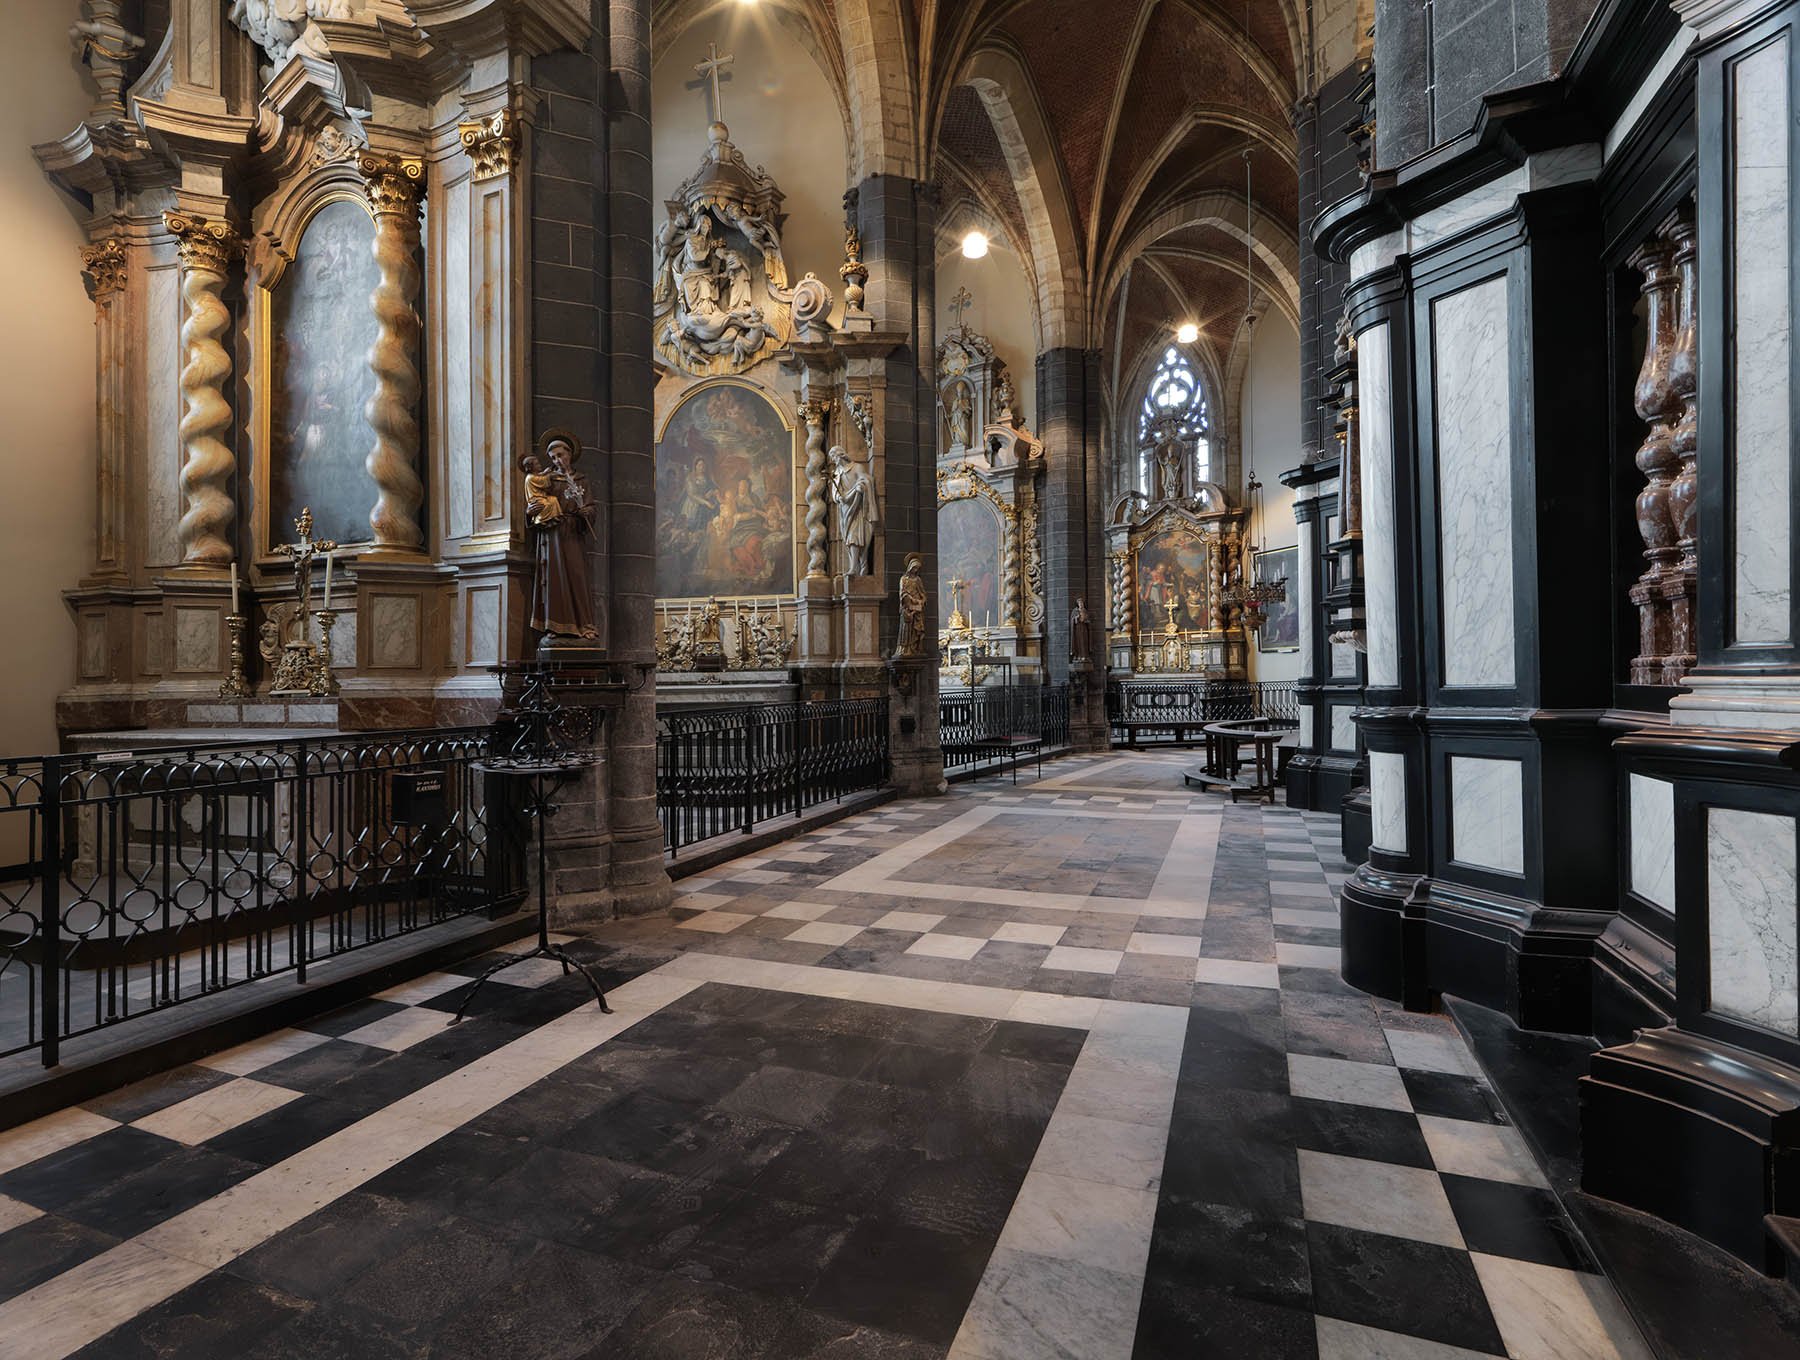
969, 720
726, 769
1169, 712
140, 880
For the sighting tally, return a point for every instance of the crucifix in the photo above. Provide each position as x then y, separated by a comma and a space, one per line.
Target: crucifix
302, 668
961, 303
709, 70
303, 553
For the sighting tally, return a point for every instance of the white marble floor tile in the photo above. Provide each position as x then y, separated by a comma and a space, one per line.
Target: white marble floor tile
1179, 946
1077, 960
1015, 932
259, 1053
1049, 1008
1317, 889
802, 856
946, 946
760, 875
1314, 920
1110, 1151
70, 1310
13, 1212
403, 1029
1349, 1083
1340, 1340
1495, 1152
920, 921
1105, 1092
1549, 1314
702, 901
1380, 1197
1237, 973
798, 911
715, 922
1076, 1220
826, 932
1307, 956
1033, 1307
1426, 1052
219, 1108
531, 973
423, 988
52, 1133
528, 943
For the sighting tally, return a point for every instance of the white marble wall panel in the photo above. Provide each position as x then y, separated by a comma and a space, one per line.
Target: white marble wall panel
492, 312
1750, 872
1487, 813
93, 646
394, 631
1309, 534
1653, 840
1306, 726
481, 631
1761, 405
1387, 801
1375, 443
1343, 660
162, 416
459, 445
1490, 200
1343, 727
196, 639
1471, 366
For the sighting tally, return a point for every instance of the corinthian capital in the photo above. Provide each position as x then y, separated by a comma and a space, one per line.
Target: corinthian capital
209, 243
103, 267
394, 183
491, 143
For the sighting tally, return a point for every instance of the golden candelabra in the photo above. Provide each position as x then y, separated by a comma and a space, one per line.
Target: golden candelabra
237, 684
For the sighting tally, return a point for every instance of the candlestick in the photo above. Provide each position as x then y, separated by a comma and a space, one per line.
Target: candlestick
236, 685
330, 557
234, 594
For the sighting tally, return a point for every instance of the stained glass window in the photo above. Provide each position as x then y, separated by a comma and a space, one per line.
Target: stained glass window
1174, 391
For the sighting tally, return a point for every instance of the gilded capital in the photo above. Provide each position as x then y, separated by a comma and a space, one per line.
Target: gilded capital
491, 143
208, 243
395, 184
816, 413
103, 267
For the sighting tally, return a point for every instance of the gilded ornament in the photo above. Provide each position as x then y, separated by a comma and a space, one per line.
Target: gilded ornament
103, 267
491, 143
393, 182
208, 243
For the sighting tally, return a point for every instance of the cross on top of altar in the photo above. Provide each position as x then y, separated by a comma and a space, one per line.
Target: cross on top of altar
303, 553
709, 70
961, 303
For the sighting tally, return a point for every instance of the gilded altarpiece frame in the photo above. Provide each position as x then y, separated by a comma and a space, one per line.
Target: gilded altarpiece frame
1177, 563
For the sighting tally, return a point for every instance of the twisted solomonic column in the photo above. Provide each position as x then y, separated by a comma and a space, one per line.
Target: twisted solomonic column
818, 535
206, 248
395, 185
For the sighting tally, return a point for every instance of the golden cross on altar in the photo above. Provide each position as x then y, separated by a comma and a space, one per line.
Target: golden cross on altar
961, 303
709, 70
303, 553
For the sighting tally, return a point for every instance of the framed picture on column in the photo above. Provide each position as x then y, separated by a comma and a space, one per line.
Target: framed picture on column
1281, 624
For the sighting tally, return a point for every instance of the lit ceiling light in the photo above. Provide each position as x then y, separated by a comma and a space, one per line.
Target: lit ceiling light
974, 245
1187, 332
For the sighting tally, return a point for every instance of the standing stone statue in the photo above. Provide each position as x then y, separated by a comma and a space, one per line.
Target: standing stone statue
854, 491
561, 518
912, 609
1081, 632
960, 411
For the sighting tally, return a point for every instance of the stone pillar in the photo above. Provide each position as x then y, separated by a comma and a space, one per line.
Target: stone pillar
1655, 401
103, 267
208, 468
898, 218
813, 599
1072, 525
395, 185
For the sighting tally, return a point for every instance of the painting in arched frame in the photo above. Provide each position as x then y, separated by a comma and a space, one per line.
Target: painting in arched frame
725, 496
1173, 570
321, 332
969, 551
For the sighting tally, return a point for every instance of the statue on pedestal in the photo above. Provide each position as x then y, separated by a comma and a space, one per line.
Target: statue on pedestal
561, 517
854, 492
960, 409
912, 609
1081, 632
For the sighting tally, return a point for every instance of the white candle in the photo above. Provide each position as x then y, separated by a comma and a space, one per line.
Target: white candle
329, 558
234, 595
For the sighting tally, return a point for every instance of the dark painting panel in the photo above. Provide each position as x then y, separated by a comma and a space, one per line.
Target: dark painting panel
322, 332
969, 551
1172, 569
725, 497
1281, 627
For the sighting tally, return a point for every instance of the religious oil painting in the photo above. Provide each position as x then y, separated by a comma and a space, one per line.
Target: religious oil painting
725, 497
969, 551
322, 332
1281, 626
1172, 575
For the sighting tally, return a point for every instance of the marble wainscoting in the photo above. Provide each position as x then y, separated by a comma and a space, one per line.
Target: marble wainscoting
1750, 882
1761, 407
1471, 370
1487, 813
1387, 801
1653, 840
1375, 441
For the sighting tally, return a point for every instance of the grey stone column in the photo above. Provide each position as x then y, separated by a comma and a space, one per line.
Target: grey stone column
1073, 524
898, 217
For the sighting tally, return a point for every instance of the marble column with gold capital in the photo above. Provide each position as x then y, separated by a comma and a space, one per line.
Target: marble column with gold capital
103, 272
206, 247
395, 185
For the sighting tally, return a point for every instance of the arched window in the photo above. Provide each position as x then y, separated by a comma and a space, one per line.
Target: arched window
1174, 391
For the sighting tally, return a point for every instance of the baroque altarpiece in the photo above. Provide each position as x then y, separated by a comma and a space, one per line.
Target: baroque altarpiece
769, 577
307, 247
990, 476
1176, 564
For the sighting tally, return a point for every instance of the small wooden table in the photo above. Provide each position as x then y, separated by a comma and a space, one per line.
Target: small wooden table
1223, 762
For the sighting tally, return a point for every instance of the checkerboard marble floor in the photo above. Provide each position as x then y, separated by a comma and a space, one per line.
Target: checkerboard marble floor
1060, 1071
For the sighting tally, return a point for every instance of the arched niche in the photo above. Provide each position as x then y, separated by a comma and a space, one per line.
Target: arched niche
726, 495
312, 332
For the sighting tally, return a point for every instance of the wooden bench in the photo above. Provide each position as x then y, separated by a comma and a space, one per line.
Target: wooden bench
1013, 748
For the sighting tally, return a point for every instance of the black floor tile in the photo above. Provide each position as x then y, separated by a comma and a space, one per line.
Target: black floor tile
550, 1192
279, 1134
964, 1196
694, 1077
819, 1336
1232, 1251
443, 1175
1180, 1320
125, 1206
1359, 1131
681, 1319
783, 1095
330, 1249
833, 1171
322, 1066
66, 1176
902, 1279
46, 1246
1522, 1221
656, 1218
775, 1247
352, 1017
413, 1291
918, 1065
553, 1303
680, 1140
156, 1093
1416, 1288
218, 1316
1451, 1096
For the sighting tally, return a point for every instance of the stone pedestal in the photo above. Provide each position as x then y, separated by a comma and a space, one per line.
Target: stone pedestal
914, 744
814, 608
859, 605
